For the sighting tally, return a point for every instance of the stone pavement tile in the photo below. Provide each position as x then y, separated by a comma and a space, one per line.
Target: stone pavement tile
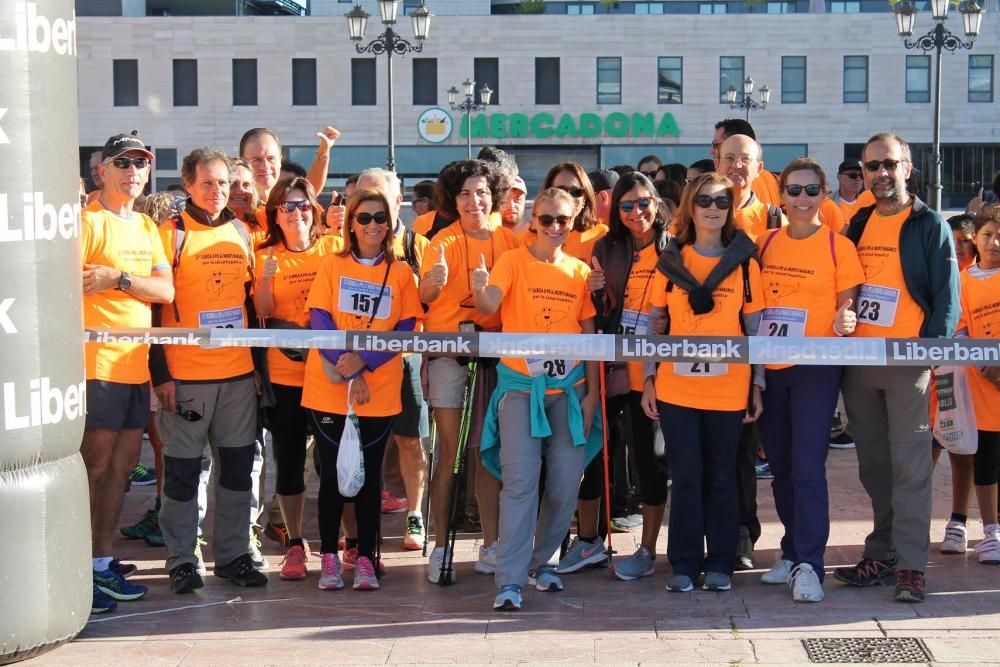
965, 649
674, 651
779, 651
574, 651
944, 626
689, 627
802, 621
288, 652
114, 653
467, 629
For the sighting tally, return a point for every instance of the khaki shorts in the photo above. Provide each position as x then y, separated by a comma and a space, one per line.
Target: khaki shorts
445, 383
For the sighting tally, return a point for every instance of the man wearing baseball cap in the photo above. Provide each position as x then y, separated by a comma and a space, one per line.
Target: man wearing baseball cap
512, 213
124, 271
850, 189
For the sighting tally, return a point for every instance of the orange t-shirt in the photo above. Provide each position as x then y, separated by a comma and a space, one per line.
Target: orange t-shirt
210, 289
831, 216
348, 290
885, 308
581, 244
706, 385
752, 218
542, 297
461, 252
258, 226
980, 299
636, 304
765, 186
423, 223
802, 278
132, 246
290, 287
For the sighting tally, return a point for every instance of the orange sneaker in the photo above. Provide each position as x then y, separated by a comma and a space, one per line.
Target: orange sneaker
392, 504
293, 567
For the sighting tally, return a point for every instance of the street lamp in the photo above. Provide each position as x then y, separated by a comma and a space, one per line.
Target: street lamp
748, 104
389, 42
936, 39
468, 106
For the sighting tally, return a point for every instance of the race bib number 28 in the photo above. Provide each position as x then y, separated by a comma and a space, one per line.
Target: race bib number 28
554, 368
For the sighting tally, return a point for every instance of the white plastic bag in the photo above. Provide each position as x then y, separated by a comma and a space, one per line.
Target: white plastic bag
955, 420
350, 462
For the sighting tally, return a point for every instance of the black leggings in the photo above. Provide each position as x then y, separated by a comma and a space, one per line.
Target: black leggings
652, 471
986, 465
287, 421
374, 432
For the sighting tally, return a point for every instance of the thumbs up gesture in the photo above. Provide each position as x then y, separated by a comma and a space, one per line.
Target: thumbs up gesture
480, 275
270, 264
438, 275
595, 279
845, 320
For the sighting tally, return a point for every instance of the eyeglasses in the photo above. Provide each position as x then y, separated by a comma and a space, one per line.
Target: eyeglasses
189, 415
548, 220
853, 175
126, 162
289, 206
575, 193
649, 174
811, 190
629, 204
419, 200
722, 202
379, 218
890, 165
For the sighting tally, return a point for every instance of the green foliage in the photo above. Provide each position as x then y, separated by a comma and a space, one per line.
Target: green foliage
530, 7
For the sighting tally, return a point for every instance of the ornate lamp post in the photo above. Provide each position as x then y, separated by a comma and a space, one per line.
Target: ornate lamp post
748, 104
468, 106
389, 42
937, 39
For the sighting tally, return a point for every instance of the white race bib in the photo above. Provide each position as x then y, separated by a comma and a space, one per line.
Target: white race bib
877, 305
783, 322
634, 323
230, 318
700, 369
554, 368
359, 297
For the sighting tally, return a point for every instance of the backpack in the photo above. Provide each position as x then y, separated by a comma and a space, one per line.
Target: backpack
773, 217
410, 251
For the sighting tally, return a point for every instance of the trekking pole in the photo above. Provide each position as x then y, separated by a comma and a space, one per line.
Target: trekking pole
427, 489
458, 476
607, 475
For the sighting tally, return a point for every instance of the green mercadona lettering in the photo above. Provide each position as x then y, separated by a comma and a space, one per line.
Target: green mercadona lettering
585, 125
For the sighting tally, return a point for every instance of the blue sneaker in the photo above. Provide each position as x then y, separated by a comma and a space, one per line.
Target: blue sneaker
111, 583
546, 581
581, 554
102, 603
142, 476
763, 470
639, 564
508, 599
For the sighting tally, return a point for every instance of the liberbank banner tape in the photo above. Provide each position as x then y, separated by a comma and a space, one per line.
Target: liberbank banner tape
592, 347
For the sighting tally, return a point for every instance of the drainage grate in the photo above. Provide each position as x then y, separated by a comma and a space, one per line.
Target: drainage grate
859, 649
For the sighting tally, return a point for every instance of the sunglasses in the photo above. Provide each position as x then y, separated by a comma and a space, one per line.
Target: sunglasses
289, 206
811, 190
648, 174
629, 204
187, 414
548, 220
126, 162
722, 202
890, 165
853, 175
575, 193
379, 218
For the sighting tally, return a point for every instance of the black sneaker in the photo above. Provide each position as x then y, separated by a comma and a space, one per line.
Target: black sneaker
241, 572
744, 552
868, 572
909, 586
842, 441
185, 579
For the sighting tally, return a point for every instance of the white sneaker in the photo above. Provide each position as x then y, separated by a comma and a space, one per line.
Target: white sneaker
778, 574
956, 538
988, 551
487, 563
434, 566
805, 584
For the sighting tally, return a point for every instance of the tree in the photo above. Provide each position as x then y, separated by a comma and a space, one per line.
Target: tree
530, 7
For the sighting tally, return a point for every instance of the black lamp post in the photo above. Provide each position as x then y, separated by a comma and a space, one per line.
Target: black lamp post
937, 39
389, 42
468, 106
748, 104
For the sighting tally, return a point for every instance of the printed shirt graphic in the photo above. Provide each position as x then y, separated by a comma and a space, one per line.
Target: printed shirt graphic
132, 246
706, 385
209, 292
801, 282
542, 297
637, 302
885, 308
461, 252
980, 299
581, 244
290, 288
348, 291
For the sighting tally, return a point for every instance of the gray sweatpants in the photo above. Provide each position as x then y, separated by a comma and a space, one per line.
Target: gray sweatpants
888, 409
524, 547
228, 424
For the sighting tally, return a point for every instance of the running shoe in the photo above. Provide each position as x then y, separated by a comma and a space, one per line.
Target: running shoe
201, 542
142, 476
716, 581
639, 564
680, 583
148, 524
956, 538
330, 578
842, 441
547, 581
626, 524
241, 572
988, 551
763, 470
581, 554
185, 579
350, 557
805, 584
253, 548
744, 551
868, 572
154, 539
113, 584
837, 425
276, 532
508, 598
779, 573
413, 536
487, 563
909, 586
103, 603
293, 565
124, 569
364, 575
434, 563
391, 504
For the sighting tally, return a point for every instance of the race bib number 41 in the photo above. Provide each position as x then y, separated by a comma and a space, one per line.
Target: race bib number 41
877, 305
362, 298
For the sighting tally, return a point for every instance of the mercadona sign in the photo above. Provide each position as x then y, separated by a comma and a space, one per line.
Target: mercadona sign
585, 125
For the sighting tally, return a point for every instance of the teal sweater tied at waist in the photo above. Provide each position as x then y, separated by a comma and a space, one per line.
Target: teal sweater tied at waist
510, 380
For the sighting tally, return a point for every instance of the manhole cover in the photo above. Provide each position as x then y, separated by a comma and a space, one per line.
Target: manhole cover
861, 649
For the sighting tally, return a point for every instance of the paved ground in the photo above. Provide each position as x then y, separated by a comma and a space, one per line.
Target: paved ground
596, 620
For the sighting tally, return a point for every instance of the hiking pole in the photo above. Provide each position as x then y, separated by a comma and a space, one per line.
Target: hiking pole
607, 475
458, 476
427, 489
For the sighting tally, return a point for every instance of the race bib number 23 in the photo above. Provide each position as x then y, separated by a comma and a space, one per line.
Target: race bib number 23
877, 305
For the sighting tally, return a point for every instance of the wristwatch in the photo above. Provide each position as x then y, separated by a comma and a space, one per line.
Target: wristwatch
124, 282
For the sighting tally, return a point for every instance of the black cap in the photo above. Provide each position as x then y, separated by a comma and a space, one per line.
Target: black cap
849, 165
603, 179
121, 144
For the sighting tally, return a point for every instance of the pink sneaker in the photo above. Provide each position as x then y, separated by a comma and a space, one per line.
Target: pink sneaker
351, 558
392, 505
330, 578
364, 575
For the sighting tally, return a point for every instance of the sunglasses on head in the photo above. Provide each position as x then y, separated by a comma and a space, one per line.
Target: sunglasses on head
126, 162
289, 206
548, 220
379, 218
890, 165
811, 190
187, 414
575, 193
722, 202
629, 204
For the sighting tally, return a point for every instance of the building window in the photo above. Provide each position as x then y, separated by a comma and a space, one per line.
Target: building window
579, 8
649, 8
670, 80
244, 82
363, 81
711, 8
918, 78
304, 82
730, 74
425, 81
848, 7
486, 72
166, 159
980, 78
781, 8
126, 82
185, 83
609, 80
410, 5
546, 81
793, 79
856, 79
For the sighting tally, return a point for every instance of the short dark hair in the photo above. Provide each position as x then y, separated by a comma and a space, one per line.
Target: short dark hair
602, 179
176, 187
202, 155
674, 171
294, 168
987, 215
649, 158
453, 177
669, 190
353, 178
255, 132
704, 166
616, 228
503, 160
425, 189
904, 148
731, 126
963, 222
623, 169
